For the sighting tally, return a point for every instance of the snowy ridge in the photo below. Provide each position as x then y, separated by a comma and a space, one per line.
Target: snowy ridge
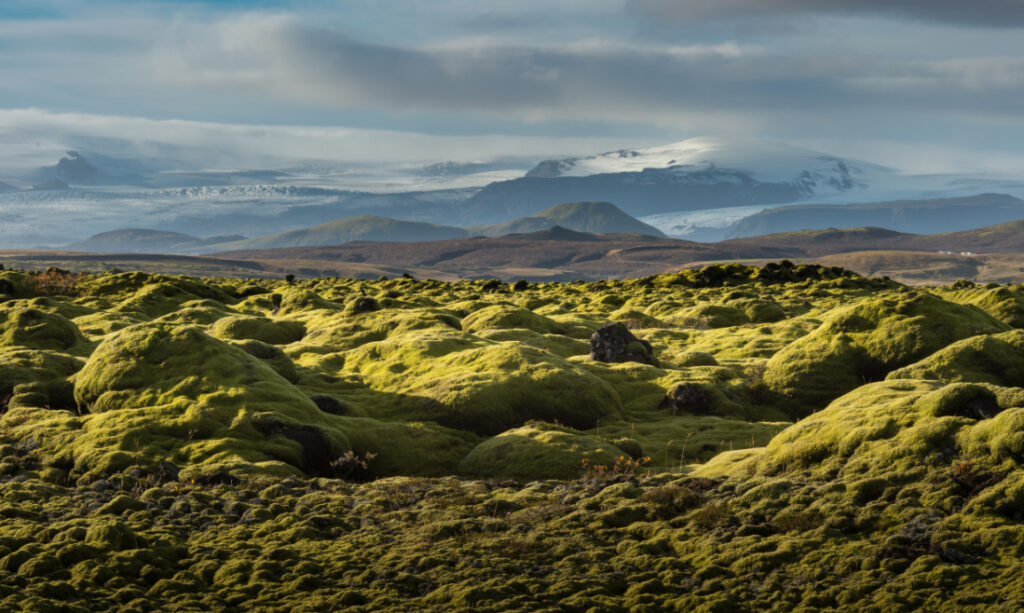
700, 158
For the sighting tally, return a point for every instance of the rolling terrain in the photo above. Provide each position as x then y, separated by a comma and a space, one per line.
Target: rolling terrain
739, 439
986, 254
142, 240
990, 254
365, 228
601, 217
931, 216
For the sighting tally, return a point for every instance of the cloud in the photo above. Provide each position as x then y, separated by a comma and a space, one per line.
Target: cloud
987, 13
30, 138
716, 85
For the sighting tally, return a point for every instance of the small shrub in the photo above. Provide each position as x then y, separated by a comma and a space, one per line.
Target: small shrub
799, 521
624, 467
55, 282
712, 515
670, 500
352, 466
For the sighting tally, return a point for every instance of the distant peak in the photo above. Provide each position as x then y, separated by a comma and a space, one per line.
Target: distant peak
558, 233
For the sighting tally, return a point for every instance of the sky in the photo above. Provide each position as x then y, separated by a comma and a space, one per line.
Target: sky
923, 85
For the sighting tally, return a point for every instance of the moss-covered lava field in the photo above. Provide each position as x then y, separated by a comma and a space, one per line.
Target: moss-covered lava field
774, 438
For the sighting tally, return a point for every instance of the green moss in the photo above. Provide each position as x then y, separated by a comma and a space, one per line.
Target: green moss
502, 316
297, 300
696, 358
485, 389
989, 358
407, 448
14, 285
1004, 303
103, 323
865, 341
273, 357
21, 366
139, 387
537, 451
186, 478
240, 327
758, 311
112, 534
164, 295
709, 316
25, 326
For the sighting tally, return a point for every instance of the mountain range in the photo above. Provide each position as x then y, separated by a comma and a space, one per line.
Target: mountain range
142, 240
562, 254
917, 216
599, 217
702, 188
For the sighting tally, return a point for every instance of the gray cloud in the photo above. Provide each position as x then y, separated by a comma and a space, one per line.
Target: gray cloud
589, 80
989, 13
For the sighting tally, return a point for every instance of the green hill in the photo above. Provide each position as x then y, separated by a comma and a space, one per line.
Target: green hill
924, 216
597, 217
144, 240
365, 228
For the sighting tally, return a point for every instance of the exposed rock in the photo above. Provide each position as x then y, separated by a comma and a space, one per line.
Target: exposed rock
615, 343
316, 450
329, 404
167, 471
687, 398
365, 305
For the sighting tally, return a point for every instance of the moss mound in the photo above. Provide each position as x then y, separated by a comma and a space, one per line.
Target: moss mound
888, 428
14, 285
484, 389
758, 311
241, 327
504, 317
989, 358
710, 316
416, 449
36, 378
865, 341
538, 451
164, 295
1004, 303
180, 394
24, 326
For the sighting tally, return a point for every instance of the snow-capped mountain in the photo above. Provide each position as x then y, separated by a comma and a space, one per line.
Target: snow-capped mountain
706, 160
695, 174
695, 189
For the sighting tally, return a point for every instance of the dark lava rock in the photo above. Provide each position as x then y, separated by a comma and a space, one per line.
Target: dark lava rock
166, 472
316, 451
687, 398
615, 343
329, 404
981, 407
365, 305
